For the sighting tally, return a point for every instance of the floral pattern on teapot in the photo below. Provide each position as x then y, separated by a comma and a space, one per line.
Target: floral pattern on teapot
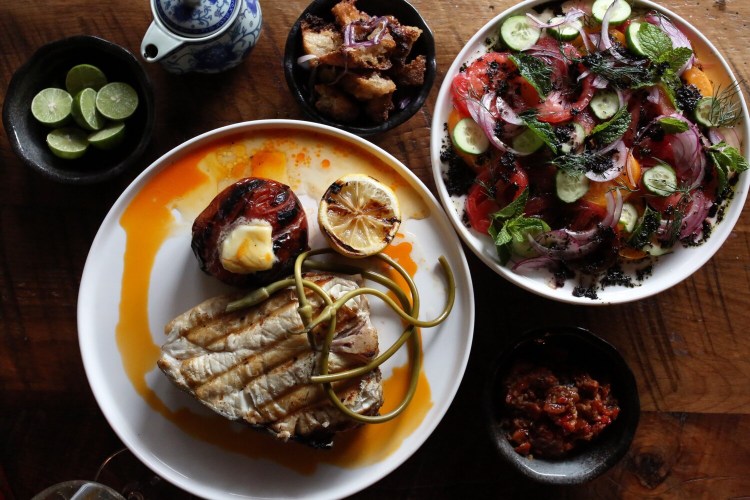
224, 52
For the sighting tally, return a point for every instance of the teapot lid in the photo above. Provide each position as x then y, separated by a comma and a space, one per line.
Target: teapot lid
195, 18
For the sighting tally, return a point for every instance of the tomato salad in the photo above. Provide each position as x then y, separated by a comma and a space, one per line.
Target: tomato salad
591, 138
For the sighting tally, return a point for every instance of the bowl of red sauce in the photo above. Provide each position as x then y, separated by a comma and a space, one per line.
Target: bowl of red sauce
562, 405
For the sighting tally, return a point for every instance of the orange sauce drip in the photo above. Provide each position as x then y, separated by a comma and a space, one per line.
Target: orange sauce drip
147, 222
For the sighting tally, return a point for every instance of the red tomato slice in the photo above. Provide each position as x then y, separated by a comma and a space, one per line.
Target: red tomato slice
479, 207
585, 215
510, 185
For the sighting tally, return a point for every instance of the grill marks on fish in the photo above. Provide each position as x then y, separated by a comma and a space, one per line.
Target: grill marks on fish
255, 364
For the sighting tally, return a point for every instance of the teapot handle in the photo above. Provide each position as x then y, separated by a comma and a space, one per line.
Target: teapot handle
157, 43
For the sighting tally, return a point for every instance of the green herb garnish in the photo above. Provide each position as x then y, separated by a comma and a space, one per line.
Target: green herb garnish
614, 128
535, 71
673, 125
654, 42
509, 225
544, 131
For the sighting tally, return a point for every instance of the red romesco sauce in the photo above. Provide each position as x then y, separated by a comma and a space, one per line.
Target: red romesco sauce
552, 410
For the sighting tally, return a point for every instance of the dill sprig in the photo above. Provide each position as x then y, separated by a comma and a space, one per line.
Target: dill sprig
726, 109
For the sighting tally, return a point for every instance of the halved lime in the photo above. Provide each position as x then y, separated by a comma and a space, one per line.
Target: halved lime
117, 100
51, 106
84, 76
84, 110
109, 137
67, 142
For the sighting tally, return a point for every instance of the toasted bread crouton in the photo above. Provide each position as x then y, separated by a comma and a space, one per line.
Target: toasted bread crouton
405, 36
376, 57
320, 39
411, 73
345, 13
336, 104
379, 108
367, 86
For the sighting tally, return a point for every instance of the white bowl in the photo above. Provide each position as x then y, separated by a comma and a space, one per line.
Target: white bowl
670, 269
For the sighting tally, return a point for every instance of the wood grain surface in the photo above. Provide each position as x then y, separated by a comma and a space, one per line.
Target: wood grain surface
689, 346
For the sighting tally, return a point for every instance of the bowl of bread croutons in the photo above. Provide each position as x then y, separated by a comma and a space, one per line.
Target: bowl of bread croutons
365, 66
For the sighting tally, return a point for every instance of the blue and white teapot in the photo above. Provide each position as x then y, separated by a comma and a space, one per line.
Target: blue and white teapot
203, 36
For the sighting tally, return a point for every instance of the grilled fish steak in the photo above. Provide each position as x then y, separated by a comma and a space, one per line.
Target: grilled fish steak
255, 364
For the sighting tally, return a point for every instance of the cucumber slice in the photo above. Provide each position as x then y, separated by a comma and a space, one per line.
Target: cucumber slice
628, 217
660, 179
518, 33
565, 32
527, 141
633, 40
704, 111
605, 104
469, 137
570, 187
576, 139
621, 11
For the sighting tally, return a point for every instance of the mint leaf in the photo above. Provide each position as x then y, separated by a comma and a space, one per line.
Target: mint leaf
654, 41
613, 129
733, 158
513, 209
535, 71
673, 125
543, 130
674, 59
509, 226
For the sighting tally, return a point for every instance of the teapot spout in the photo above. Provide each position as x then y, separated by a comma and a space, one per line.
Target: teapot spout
158, 43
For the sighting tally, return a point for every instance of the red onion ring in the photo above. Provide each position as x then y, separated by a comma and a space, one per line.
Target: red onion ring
618, 162
614, 208
605, 43
480, 113
573, 15
692, 223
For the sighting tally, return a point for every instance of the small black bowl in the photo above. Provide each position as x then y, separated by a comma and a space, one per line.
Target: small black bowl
47, 68
579, 348
298, 78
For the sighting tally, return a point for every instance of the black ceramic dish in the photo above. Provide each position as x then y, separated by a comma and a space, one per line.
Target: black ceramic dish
47, 68
582, 349
298, 78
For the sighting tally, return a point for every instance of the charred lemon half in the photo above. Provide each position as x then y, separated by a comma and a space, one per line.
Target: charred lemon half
359, 215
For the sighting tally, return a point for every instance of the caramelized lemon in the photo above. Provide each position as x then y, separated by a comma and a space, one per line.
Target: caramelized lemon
359, 215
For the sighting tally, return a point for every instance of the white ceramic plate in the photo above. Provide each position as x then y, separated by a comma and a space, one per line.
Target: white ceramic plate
210, 469
670, 270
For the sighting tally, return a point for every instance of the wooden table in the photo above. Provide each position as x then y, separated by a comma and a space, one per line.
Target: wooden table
687, 346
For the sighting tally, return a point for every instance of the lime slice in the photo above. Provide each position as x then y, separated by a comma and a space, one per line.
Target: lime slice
116, 100
109, 137
51, 106
84, 110
84, 76
67, 142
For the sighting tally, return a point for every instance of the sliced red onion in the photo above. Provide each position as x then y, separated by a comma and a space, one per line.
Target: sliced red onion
618, 162
692, 223
540, 51
506, 113
372, 25
534, 264
620, 98
678, 37
480, 113
715, 136
690, 162
600, 82
730, 135
586, 40
304, 61
605, 43
573, 15
614, 208
563, 244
